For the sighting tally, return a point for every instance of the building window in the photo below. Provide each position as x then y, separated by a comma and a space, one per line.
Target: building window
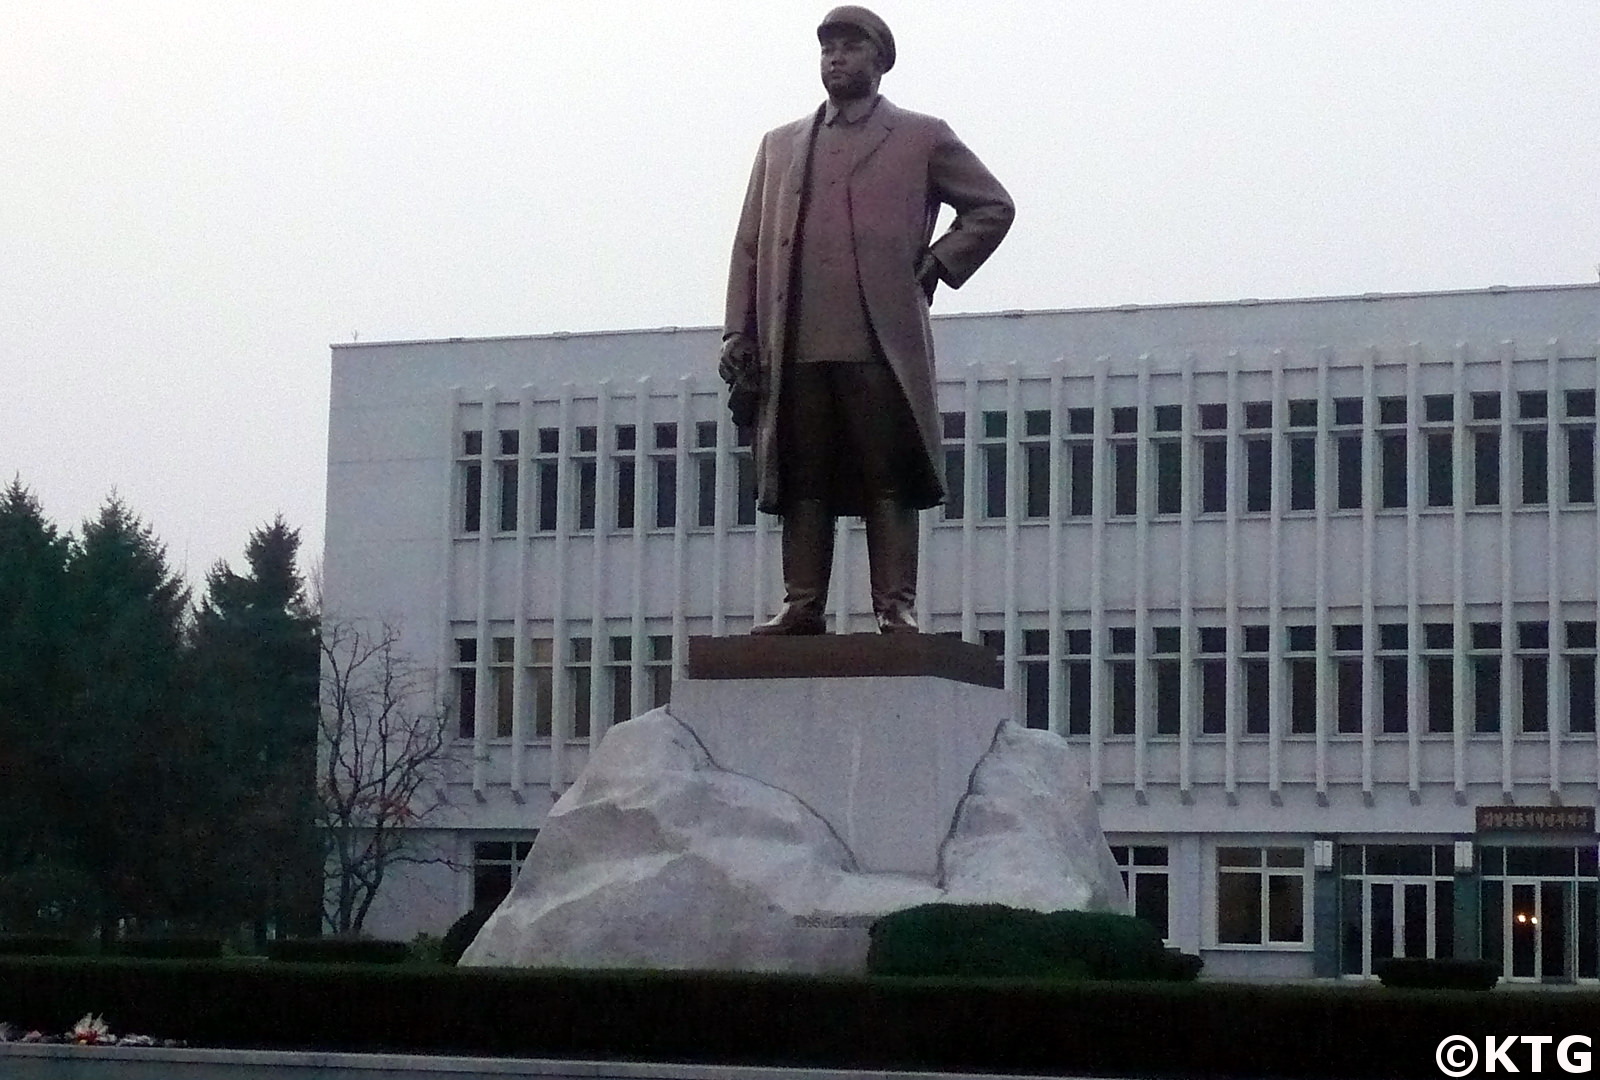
1124, 461
506, 481
1393, 489
1261, 896
1534, 446
471, 473
1076, 681
1124, 681
1302, 461
1257, 681
1300, 667
547, 476
1212, 668
1035, 666
1348, 678
1485, 661
466, 677
503, 677
1213, 475
1580, 677
1257, 475
994, 464
1394, 679
1166, 678
496, 865
1036, 463
1439, 447
620, 668
705, 473
744, 475
1485, 449
658, 670
664, 464
587, 469
1580, 409
1533, 668
580, 684
955, 465
624, 474
1439, 672
1144, 875
1080, 463
1168, 460
542, 674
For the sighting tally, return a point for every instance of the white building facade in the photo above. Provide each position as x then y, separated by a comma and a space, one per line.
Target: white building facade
1312, 584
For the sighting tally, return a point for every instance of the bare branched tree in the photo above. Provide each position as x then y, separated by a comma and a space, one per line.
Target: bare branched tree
386, 756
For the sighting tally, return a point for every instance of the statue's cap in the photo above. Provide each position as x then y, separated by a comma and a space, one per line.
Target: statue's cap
861, 19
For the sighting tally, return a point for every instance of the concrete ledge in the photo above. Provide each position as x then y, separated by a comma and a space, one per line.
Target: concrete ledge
842, 656
33, 1062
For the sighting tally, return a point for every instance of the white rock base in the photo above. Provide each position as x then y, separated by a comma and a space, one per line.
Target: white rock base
659, 858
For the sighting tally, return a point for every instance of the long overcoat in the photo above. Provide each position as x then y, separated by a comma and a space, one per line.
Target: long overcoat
910, 164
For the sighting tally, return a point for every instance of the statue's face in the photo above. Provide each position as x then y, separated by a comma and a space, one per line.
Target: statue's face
850, 63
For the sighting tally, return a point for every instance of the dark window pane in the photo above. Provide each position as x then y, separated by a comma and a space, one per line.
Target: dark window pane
1438, 407
1392, 410
994, 480
1239, 909
1394, 694
1213, 639
1122, 697
1303, 413
954, 424
626, 474
548, 495
1258, 414
1347, 410
1486, 468
1301, 638
627, 437
1348, 448
1438, 635
1580, 694
1302, 696
745, 484
1169, 417
1302, 474
1124, 420
1213, 697
1036, 422
1167, 696
955, 483
1535, 694
1080, 421
1441, 694
994, 425
1257, 475
1213, 417
472, 443
1392, 471
1532, 405
466, 703
472, 498
1077, 679
588, 438
1580, 402
1580, 465
1080, 464
1347, 637
1122, 639
1257, 697
1392, 635
1535, 468
1347, 676
1036, 465
509, 441
586, 494
1441, 468
1486, 693
549, 440
666, 436
666, 493
1213, 476
1125, 478
1150, 901
1169, 477
1285, 908
1256, 638
706, 492
1036, 694
1486, 406
705, 434
508, 495
1165, 639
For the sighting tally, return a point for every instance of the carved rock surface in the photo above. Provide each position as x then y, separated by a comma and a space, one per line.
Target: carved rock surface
1028, 832
658, 858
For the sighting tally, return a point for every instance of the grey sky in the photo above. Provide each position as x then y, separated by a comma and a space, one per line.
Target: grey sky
197, 199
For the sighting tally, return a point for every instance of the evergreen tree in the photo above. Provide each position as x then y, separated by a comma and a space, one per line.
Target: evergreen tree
123, 792
256, 657
36, 880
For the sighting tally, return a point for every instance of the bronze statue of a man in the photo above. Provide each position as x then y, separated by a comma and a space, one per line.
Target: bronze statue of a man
827, 318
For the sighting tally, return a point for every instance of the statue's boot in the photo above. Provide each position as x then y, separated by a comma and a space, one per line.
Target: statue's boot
807, 565
892, 564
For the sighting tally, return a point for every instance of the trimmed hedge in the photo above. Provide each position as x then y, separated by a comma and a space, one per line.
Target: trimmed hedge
995, 940
993, 1025
166, 948
1418, 974
38, 945
337, 950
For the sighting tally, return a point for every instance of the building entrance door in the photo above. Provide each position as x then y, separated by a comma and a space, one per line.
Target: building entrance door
1400, 920
1540, 930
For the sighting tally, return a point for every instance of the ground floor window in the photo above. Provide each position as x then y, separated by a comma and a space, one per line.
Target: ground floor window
1144, 875
1261, 895
495, 866
1540, 912
1395, 900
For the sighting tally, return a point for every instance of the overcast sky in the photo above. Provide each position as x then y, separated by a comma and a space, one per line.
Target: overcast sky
195, 200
